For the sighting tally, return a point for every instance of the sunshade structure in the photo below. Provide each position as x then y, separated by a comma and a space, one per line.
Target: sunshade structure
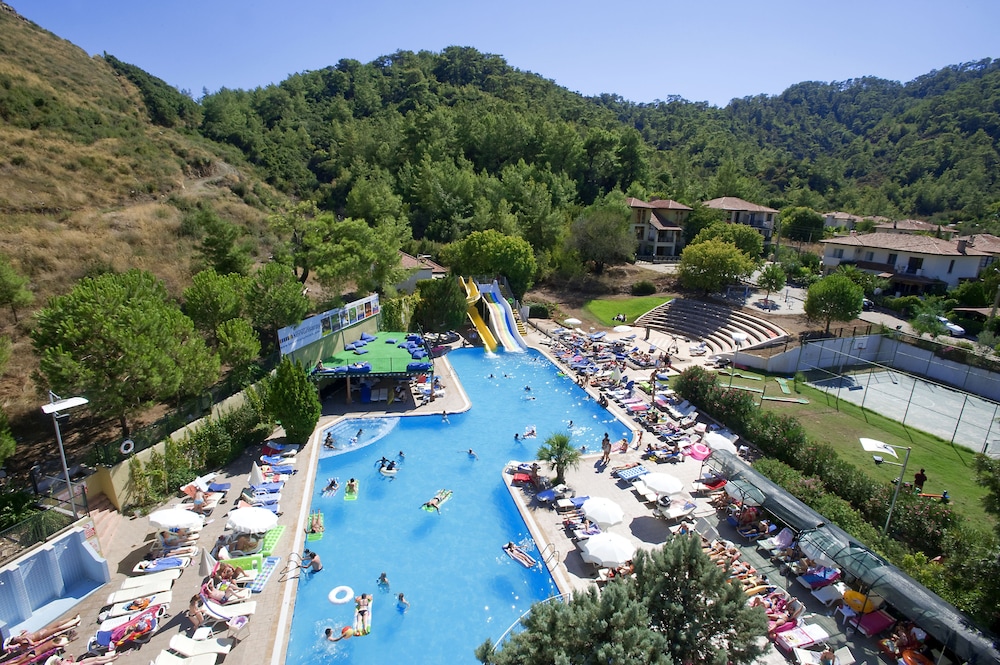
252, 520
572, 321
622, 329
607, 549
875, 576
663, 483
603, 511
176, 518
744, 492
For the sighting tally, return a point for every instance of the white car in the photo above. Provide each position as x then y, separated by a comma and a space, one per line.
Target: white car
954, 329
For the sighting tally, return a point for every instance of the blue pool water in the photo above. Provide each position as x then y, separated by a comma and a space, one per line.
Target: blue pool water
461, 587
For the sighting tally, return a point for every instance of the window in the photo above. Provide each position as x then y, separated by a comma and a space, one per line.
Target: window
869, 256
838, 253
892, 259
951, 266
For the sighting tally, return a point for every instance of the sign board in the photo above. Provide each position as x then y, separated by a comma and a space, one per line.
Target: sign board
315, 328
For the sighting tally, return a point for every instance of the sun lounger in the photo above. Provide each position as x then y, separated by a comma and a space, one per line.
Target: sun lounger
829, 595
783, 540
167, 658
188, 647
647, 495
631, 473
843, 656
161, 564
124, 595
276, 460
151, 578
251, 496
129, 607
819, 578
227, 612
274, 507
677, 509
800, 637
873, 623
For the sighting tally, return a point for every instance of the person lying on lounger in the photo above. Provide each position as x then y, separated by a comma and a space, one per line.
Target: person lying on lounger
26, 639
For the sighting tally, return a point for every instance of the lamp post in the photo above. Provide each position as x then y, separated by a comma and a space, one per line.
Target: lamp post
55, 405
739, 338
872, 445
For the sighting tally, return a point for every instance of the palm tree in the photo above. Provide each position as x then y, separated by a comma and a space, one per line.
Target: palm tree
558, 452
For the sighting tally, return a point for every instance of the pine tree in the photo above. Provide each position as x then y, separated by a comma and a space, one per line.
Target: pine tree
294, 401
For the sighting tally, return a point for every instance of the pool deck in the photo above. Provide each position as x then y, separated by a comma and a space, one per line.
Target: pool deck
266, 638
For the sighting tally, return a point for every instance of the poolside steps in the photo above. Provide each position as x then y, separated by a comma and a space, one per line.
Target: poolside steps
107, 520
712, 323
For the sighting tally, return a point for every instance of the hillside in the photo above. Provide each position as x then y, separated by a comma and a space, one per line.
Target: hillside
88, 184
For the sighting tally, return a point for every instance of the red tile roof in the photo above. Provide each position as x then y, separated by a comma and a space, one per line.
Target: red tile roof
410, 262
910, 225
667, 204
636, 203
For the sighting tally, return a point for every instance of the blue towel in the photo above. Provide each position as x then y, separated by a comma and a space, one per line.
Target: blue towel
164, 563
268, 487
360, 352
219, 487
391, 340
273, 460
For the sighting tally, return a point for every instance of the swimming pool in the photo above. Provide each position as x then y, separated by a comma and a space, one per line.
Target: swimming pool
461, 587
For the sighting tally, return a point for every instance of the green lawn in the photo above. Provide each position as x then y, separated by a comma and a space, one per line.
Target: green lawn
948, 467
604, 311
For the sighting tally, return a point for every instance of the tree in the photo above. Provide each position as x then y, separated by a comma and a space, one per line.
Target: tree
560, 454
294, 401
699, 218
802, 224
679, 608
492, 253
13, 288
7, 442
925, 317
771, 278
275, 300
221, 245
988, 475
834, 298
603, 235
712, 265
118, 340
746, 238
212, 299
239, 346
442, 304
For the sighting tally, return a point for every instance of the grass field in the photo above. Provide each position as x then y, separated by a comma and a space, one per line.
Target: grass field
604, 311
949, 467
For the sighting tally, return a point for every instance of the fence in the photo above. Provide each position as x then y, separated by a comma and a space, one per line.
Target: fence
55, 516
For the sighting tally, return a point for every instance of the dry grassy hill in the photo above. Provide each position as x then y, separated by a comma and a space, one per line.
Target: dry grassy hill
88, 184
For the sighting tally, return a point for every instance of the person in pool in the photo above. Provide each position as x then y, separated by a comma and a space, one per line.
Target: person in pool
332, 486
328, 441
352, 486
434, 503
383, 581
345, 633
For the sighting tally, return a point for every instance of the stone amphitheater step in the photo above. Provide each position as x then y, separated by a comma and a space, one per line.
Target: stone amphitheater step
713, 323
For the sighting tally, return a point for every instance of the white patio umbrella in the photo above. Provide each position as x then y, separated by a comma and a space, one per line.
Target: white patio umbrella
607, 549
603, 511
622, 329
572, 321
176, 518
252, 520
716, 441
207, 563
256, 475
663, 483
875, 446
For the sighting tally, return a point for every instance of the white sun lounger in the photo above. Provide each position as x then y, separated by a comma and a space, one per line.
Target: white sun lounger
125, 595
187, 647
167, 658
151, 578
121, 609
227, 612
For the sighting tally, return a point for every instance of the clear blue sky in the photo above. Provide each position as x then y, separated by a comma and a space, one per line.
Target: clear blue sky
640, 49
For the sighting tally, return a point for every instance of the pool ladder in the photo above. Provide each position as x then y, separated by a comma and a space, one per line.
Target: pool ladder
548, 553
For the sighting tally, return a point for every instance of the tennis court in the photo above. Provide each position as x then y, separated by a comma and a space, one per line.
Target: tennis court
965, 419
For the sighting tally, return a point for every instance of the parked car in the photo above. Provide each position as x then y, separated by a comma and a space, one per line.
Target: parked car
954, 329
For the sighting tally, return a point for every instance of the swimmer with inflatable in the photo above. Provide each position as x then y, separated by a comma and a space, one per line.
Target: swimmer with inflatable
345, 633
328, 442
332, 486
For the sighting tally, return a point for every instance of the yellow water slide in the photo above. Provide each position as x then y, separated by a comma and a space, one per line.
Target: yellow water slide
472, 297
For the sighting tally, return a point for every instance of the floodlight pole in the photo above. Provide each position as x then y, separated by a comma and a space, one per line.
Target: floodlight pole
53, 407
899, 483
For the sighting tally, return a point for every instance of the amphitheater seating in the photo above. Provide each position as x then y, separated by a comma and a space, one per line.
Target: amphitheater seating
712, 323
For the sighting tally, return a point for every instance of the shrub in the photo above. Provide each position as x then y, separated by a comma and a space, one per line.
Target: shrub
643, 288
539, 310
